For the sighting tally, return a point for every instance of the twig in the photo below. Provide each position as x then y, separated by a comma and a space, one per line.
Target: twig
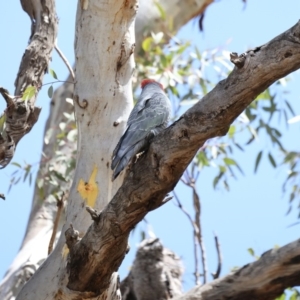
190, 182
57, 81
60, 205
218, 271
65, 61
197, 207
196, 273
2, 196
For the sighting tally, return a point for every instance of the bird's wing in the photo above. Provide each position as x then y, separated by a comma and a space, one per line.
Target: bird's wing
140, 105
150, 117
154, 114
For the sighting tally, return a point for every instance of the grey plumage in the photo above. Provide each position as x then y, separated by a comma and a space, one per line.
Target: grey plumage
149, 116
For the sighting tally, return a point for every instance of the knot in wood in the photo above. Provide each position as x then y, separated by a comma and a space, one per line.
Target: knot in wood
237, 60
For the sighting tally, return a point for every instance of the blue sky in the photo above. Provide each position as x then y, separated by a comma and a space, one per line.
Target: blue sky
252, 214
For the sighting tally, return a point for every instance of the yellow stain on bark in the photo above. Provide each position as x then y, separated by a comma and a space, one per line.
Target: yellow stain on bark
65, 251
84, 4
89, 190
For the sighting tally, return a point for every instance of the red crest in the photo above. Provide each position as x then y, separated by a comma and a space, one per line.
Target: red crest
147, 81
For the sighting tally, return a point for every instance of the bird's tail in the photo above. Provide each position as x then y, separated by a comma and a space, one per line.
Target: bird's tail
123, 162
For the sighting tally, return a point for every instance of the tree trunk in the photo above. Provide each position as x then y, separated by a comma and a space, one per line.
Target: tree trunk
40, 226
102, 97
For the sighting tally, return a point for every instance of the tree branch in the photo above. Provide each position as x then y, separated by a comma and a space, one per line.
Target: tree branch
102, 248
21, 115
60, 206
264, 279
195, 240
219, 267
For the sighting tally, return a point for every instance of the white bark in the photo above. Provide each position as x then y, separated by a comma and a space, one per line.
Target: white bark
39, 229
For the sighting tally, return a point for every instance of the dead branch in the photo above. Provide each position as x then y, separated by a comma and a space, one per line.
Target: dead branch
21, 114
195, 240
198, 229
196, 223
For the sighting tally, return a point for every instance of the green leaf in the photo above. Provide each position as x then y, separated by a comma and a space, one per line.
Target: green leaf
292, 197
229, 161
50, 91
277, 132
222, 169
52, 73
292, 174
203, 86
264, 95
251, 251
217, 179
231, 131
272, 160
238, 146
27, 172
250, 140
16, 181
226, 185
290, 107
275, 140
282, 297
290, 156
146, 45
164, 61
295, 295
258, 158
16, 164
29, 93
143, 235
202, 160
198, 53
59, 176
161, 10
